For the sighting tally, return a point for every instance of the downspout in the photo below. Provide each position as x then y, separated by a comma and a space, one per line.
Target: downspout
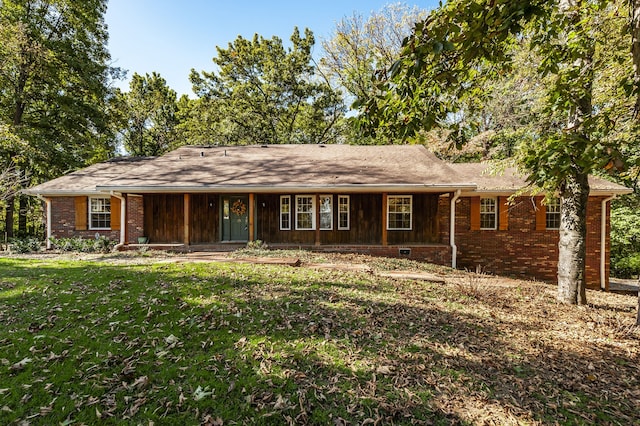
603, 246
123, 217
452, 229
47, 202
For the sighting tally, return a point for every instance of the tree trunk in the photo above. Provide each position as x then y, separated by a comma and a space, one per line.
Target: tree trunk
572, 246
634, 26
8, 219
23, 208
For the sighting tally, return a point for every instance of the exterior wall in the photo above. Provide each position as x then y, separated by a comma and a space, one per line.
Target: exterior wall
365, 222
63, 221
135, 218
520, 250
434, 253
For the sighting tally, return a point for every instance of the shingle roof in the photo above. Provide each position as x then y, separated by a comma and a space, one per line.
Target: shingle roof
291, 167
510, 180
192, 168
84, 181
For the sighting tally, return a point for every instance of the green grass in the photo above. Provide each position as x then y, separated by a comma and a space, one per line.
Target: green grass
192, 343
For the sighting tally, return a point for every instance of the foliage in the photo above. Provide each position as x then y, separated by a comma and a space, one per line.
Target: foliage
101, 244
358, 47
263, 93
25, 245
54, 88
54, 76
147, 116
125, 340
464, 47
625, 241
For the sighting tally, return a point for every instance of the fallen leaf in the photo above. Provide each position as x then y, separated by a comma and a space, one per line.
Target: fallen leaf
20, 364
201, 393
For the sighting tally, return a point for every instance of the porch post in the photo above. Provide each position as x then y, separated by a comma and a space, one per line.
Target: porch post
384, 218
187, 219
252, 209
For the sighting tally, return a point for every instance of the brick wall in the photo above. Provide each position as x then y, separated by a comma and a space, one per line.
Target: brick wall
135, 218
521, 250
437, 254
63, 221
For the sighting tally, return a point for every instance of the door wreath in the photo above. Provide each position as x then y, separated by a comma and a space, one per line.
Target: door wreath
239, 208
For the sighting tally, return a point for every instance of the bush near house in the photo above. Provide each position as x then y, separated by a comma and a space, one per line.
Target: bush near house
625, 242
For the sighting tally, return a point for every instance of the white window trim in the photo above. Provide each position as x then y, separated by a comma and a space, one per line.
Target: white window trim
90, 212
495, 214
313, 212
547, 212
283, 197
348, 203
330, 197
410, 228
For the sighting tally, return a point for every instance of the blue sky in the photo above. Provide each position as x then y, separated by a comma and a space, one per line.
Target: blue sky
171, 37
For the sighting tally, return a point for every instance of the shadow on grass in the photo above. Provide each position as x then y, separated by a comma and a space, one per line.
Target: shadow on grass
267, 345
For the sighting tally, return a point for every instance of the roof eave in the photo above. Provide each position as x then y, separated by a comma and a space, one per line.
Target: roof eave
262, 189
506, 192
61, 192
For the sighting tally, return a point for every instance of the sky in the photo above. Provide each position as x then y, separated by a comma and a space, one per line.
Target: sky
171, 37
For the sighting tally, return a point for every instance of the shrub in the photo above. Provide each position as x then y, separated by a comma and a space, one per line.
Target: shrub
25, 245
625, 242
90, 245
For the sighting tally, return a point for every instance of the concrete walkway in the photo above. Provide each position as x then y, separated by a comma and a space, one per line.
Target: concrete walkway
619, 285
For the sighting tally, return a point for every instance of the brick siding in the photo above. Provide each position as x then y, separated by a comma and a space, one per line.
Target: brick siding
135, 218
520, 250
63, 221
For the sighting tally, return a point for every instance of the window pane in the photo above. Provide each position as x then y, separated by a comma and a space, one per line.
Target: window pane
399, 212
343, 212
304, 212
100, 213
488, 209
326, 212
553, 214
285, 212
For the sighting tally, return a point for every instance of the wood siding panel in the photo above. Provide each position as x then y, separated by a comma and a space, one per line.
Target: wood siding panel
268, 222
366, 221
205, 218
425, 222
81, 213
164, 218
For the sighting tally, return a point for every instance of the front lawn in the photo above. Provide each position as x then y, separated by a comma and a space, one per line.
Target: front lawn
161, 342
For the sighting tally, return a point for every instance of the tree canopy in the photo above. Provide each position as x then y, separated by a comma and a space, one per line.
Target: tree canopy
265, 93
147, 116
54, 85
462, 46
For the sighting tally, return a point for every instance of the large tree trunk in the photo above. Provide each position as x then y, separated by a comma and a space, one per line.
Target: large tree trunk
572, 247
634, 26
23, 209
8, 219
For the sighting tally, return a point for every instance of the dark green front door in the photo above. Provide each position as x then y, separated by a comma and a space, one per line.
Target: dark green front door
235, 218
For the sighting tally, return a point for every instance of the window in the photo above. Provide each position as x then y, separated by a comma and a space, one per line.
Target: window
305, 212
326, 212
553, 214
100, 213
488, 213
285, 212
399, 209
343, 212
